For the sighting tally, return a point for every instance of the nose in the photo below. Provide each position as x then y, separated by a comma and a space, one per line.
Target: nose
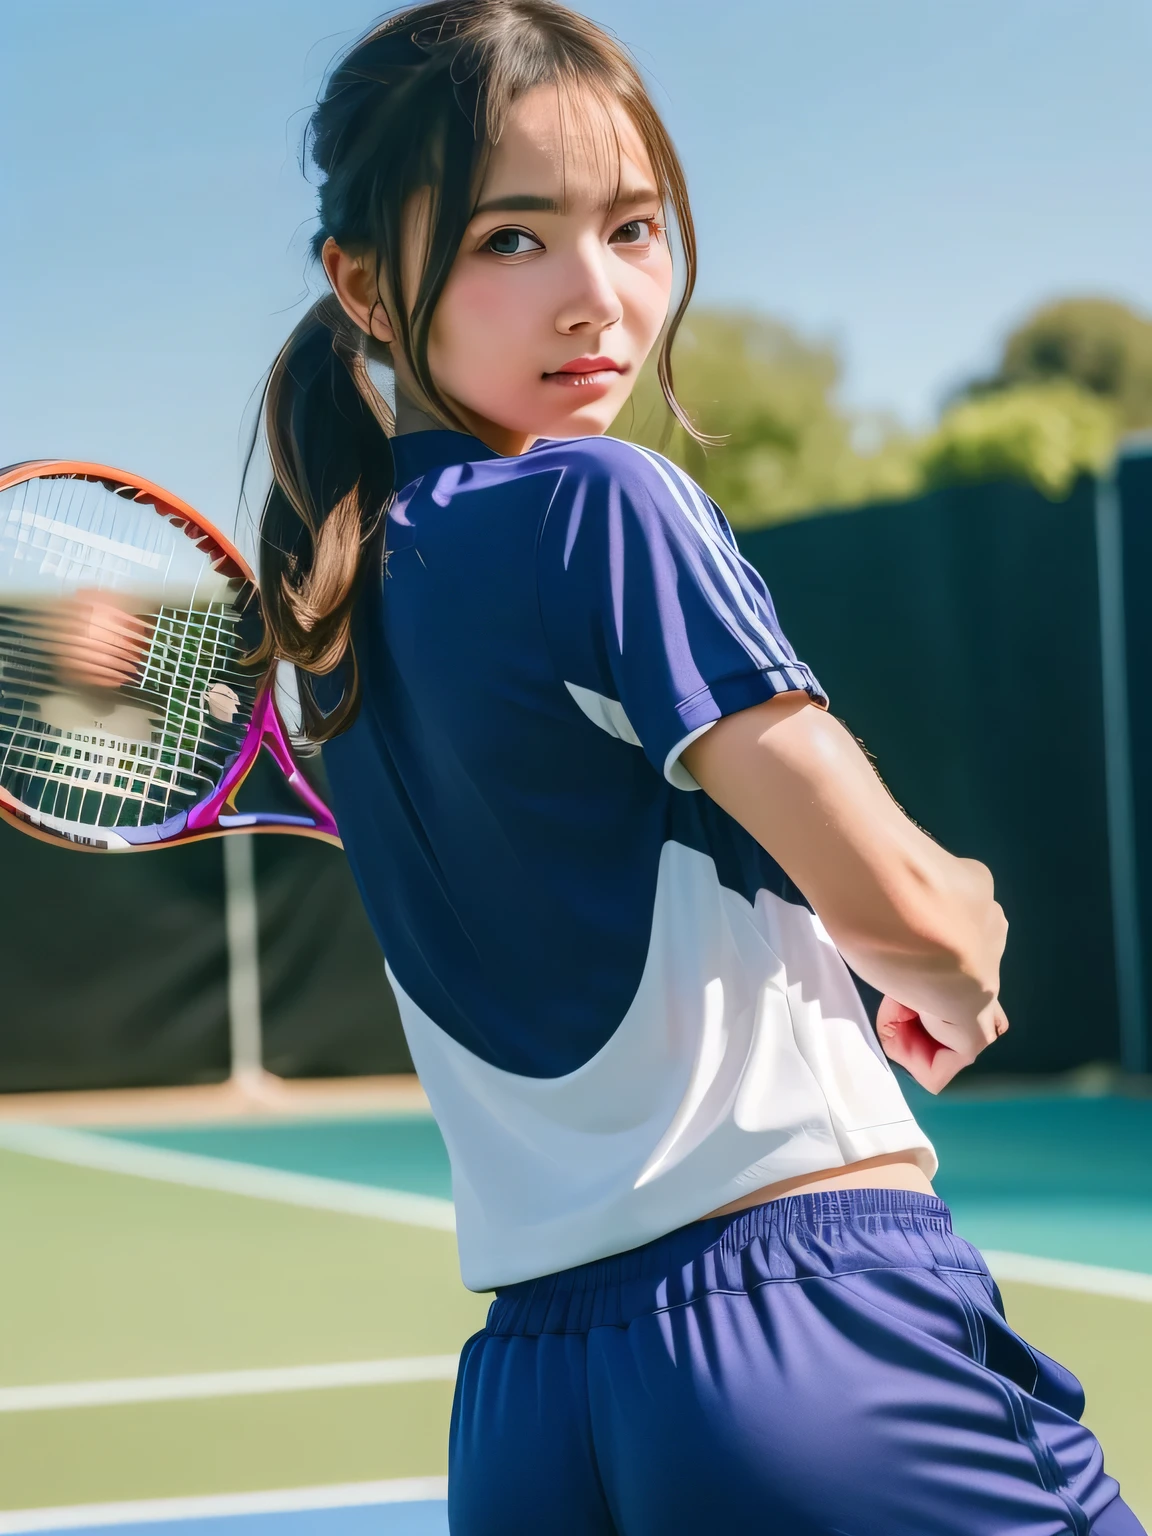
591, 302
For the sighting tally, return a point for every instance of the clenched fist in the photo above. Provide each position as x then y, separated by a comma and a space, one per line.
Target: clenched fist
931, 1049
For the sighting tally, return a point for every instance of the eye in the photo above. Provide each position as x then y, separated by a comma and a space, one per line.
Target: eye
635, 232
511, 242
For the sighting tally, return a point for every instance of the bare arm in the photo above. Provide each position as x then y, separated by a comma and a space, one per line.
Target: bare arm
915, 922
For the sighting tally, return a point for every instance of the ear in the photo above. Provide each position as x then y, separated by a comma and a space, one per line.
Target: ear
354, 284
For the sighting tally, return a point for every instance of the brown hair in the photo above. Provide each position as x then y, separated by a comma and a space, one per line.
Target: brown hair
412, 109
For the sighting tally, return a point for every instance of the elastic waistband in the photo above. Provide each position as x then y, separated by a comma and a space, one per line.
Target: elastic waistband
799, 1237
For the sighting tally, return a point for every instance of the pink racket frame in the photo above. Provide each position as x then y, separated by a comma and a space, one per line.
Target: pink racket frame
216, 815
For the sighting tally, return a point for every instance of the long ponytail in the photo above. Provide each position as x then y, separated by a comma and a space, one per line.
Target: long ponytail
327, 430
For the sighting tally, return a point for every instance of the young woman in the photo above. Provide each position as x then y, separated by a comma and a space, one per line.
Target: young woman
620, 857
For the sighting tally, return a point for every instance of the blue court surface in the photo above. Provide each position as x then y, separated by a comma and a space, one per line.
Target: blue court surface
249, 1328
427, 1517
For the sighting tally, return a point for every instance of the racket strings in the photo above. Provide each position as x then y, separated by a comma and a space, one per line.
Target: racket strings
76, 530
139, 780
154, 746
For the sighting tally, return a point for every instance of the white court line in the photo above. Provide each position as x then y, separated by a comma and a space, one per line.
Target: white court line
85, 1150
1064, 1275
1056, 1273
167, 1389
71, 1517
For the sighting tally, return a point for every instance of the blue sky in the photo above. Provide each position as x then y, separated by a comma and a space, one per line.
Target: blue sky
906, 177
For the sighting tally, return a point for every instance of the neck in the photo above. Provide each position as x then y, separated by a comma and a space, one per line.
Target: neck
411, 417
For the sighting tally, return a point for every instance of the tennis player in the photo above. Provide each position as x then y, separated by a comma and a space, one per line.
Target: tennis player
622, 860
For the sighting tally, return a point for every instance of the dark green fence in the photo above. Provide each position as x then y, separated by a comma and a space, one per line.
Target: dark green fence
116, 968
1133, 510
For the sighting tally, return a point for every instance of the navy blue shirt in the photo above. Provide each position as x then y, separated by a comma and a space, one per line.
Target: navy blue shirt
559, 906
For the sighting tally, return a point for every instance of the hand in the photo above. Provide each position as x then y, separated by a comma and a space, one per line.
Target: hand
931, 1049
97, 644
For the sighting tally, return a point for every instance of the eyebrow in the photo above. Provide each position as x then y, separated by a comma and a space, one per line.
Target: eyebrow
519, 203
524, 202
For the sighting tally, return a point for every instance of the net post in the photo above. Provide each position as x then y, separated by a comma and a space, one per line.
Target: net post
241, 921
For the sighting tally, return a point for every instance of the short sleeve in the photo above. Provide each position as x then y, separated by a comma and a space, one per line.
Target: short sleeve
657, 624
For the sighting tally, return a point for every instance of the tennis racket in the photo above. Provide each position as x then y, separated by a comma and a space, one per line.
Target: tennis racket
127, 720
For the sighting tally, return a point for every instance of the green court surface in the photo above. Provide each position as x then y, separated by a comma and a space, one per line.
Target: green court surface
110, 1277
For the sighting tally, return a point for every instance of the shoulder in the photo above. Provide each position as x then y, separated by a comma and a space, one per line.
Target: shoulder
618, 510
611, 472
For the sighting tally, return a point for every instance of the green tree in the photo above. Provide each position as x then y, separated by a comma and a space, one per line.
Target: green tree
1102, 345
1046, 433
1071, 378
786, 446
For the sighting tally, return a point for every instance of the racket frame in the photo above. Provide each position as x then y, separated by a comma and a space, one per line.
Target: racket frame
215, 815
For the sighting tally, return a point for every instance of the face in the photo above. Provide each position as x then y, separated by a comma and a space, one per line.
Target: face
562, 282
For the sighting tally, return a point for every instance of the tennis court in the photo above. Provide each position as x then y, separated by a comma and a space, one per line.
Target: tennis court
250, 1326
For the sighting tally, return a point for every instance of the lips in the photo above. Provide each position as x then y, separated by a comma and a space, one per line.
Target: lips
585, 365
595, 374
